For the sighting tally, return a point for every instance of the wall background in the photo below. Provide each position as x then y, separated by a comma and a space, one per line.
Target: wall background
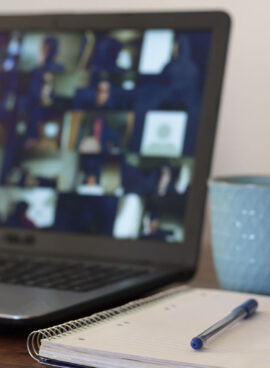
243, 137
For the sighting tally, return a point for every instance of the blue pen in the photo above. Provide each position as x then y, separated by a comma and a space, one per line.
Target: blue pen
244, 310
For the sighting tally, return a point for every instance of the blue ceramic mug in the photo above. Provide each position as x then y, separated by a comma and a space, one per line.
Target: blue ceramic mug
240, 229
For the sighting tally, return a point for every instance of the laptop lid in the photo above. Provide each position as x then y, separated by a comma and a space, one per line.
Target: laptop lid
107, 126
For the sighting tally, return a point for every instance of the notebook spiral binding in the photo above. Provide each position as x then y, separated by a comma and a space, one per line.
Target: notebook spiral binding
34, 338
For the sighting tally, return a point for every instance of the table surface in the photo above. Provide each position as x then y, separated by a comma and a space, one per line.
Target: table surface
13, 353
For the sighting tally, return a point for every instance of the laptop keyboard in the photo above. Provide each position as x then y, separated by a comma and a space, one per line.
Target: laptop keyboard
72, 276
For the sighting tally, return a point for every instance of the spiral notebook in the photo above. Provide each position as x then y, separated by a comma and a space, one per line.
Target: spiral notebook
156, 332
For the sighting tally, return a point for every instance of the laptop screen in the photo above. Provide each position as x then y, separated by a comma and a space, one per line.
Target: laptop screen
98, 130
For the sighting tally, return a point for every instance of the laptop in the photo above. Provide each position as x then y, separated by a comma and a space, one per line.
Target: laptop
107, 126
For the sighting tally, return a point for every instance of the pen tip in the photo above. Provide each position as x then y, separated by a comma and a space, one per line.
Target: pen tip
196, 343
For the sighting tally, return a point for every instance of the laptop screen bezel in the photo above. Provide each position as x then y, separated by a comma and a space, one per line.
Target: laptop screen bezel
186, 253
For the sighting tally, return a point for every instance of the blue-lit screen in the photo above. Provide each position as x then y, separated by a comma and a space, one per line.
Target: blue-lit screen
98, 130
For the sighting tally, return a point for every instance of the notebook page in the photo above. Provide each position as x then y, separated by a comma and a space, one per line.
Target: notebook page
104, 362
162, 332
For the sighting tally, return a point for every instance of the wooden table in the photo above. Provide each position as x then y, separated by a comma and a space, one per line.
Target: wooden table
13, 353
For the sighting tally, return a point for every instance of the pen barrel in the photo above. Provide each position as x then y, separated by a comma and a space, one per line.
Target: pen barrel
227, 321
